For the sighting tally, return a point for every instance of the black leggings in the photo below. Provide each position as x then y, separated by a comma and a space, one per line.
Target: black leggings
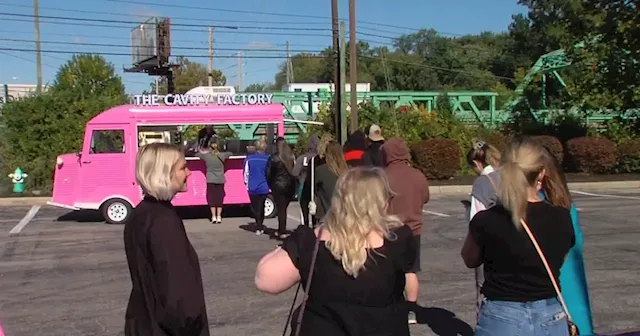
282, 203
257, 206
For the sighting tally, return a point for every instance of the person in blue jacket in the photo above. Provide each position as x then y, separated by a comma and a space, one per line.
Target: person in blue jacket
255, 178
573, 278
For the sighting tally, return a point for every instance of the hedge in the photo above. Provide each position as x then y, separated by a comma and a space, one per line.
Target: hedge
437, 158
592, 155
552, 144
628, 157
497, 140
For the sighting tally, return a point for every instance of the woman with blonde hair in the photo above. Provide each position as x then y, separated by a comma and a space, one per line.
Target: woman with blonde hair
167, 296
360, 257
520, 297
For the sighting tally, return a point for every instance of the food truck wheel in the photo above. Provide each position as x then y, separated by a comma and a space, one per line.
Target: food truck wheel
269, 207
116, 211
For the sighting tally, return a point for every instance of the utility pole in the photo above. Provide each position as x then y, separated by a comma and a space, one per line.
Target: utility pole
36, 22
343, 69
288, 65
210, 56
353, 65
336, 65
239, 71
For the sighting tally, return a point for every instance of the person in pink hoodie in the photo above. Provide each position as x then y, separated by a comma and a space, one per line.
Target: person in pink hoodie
411, 193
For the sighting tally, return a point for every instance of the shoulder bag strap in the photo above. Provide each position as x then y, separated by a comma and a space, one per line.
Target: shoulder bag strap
493, 183
546, 266
308, 286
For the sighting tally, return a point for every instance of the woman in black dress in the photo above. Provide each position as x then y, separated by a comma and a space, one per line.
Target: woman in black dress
358, 282
167, 296
281, 182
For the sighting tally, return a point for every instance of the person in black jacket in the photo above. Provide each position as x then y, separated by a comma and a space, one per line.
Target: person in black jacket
281, 182
373, 154
167, 295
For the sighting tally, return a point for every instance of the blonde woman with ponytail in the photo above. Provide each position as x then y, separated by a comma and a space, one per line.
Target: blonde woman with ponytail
359, 275
519, 297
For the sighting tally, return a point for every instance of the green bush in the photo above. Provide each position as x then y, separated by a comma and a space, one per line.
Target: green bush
592, 155
552, 144
437, 158
497, 140
39, 128
628, 157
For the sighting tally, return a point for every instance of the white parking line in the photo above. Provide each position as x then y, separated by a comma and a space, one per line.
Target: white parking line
439, 214
27, 218
604, 195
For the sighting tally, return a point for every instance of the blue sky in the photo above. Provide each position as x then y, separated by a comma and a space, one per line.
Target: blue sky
455, 17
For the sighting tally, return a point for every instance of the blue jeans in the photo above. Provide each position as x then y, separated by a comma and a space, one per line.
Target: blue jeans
537, 318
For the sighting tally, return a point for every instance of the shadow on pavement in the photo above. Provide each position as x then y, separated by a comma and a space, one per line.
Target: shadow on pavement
199, 212
443, 322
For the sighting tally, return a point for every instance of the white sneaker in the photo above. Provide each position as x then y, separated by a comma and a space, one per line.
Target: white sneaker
219, 220
259, 232
412, 318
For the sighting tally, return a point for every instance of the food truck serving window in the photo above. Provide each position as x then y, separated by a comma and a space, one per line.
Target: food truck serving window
107, 142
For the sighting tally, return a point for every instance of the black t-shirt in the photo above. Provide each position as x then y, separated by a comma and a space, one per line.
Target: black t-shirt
513, 269
372, 304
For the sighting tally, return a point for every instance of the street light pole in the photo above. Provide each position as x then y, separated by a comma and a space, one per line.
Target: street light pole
336, 67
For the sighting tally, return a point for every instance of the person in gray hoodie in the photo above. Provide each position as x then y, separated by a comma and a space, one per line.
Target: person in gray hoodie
301, 171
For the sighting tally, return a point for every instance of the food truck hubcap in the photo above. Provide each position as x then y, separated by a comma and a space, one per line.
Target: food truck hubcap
117, 212
269, 208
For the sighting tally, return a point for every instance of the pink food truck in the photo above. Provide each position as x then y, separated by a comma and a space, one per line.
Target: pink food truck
102, 175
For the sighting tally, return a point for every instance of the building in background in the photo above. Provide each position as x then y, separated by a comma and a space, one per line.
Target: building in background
314, 87
10, 92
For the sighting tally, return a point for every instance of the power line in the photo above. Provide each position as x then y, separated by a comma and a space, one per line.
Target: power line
275, 57
172, 47
53, 67
128, 54
172, 29
192, 18
137, 23
260, 13
173, 40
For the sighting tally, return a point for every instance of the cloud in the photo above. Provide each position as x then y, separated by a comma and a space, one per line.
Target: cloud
260, 45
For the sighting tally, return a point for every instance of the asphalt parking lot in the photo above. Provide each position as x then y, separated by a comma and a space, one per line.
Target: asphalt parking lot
66, 274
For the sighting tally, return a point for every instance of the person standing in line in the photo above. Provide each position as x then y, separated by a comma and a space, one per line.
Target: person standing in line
354, 148
483, 160
167, 295
373, 155
314, 163
410, 194
300, 170
205, 135
573, 276
282, 182
326, 177
363, 253
255, 178
519, 295
214, 161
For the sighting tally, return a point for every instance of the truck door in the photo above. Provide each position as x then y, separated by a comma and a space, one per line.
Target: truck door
106, 166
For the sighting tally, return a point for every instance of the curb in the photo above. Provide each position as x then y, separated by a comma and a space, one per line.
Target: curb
611, 185
433, 190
